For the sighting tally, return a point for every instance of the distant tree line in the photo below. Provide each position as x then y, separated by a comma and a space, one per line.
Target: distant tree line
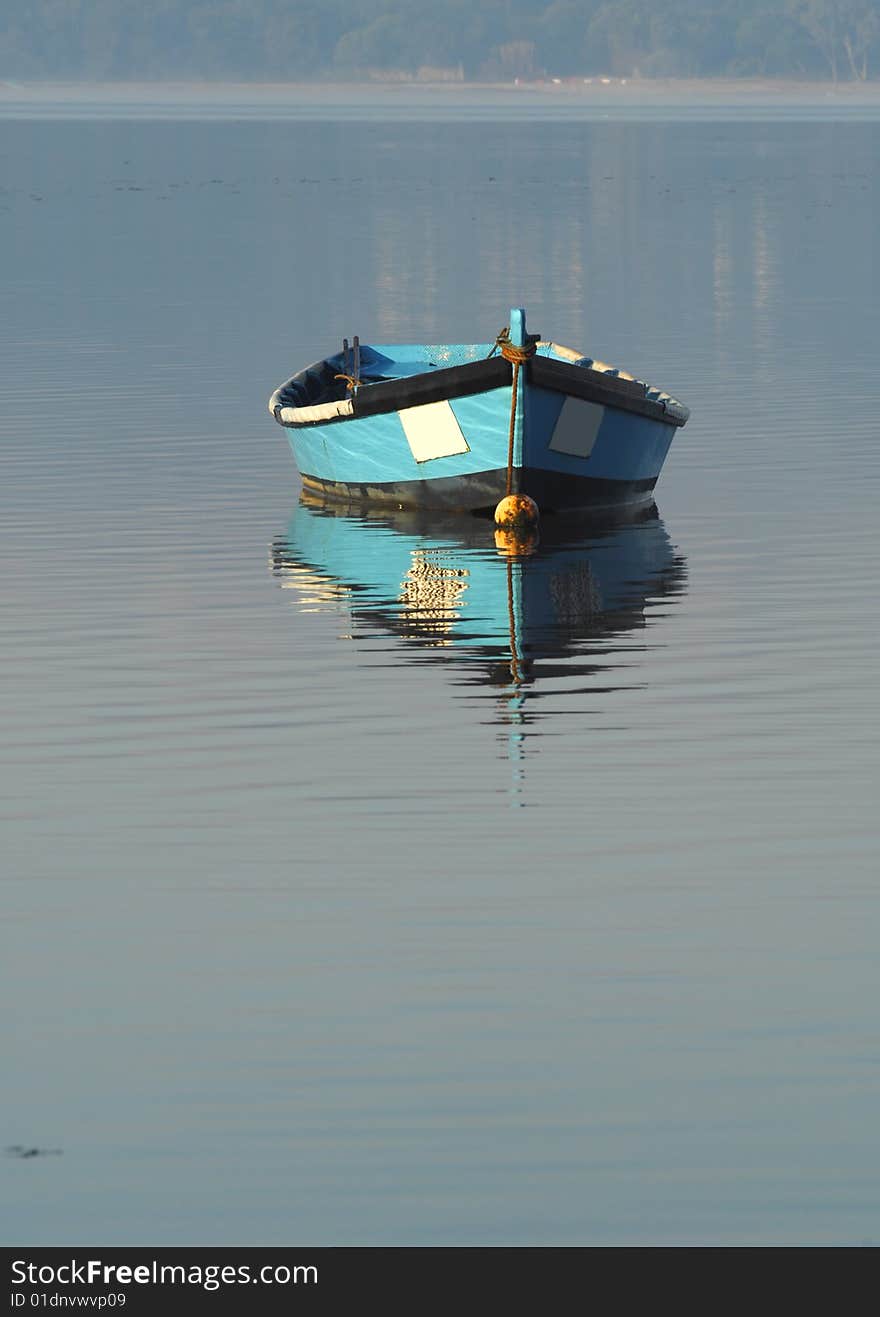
492, 39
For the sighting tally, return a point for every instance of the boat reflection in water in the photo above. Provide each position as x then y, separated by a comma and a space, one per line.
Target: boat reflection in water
518, 621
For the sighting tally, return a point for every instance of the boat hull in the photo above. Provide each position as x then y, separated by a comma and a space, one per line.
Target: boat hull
551, 490
568, 453
572, 435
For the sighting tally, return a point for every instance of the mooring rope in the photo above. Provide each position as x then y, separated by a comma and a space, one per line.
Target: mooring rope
517, 356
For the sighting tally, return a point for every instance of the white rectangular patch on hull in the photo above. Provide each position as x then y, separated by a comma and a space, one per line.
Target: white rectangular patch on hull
577, 427
432, 431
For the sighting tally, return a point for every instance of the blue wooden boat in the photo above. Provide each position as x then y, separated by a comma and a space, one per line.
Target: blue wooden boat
458, 426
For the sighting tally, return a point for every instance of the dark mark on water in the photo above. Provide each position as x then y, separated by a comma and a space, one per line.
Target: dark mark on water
25, 1154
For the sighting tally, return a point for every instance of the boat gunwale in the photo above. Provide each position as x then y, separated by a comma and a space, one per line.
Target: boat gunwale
570, 378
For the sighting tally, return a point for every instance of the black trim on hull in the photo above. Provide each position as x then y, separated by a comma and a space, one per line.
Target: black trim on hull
549, 489
415, 391
595, 386
433, 386
481, 377
557, 490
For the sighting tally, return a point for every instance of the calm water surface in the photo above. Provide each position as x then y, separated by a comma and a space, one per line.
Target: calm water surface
357, 885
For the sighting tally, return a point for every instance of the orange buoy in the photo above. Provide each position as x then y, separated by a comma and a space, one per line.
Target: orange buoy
517, 512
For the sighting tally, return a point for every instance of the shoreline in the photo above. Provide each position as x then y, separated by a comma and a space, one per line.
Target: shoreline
414, 100
588, 88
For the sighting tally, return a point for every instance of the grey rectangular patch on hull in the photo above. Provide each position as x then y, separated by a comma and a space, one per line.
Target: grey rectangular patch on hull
577, 427
432, 431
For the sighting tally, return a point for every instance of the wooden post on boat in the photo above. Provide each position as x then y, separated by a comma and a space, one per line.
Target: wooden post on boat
356, 373
345, 362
